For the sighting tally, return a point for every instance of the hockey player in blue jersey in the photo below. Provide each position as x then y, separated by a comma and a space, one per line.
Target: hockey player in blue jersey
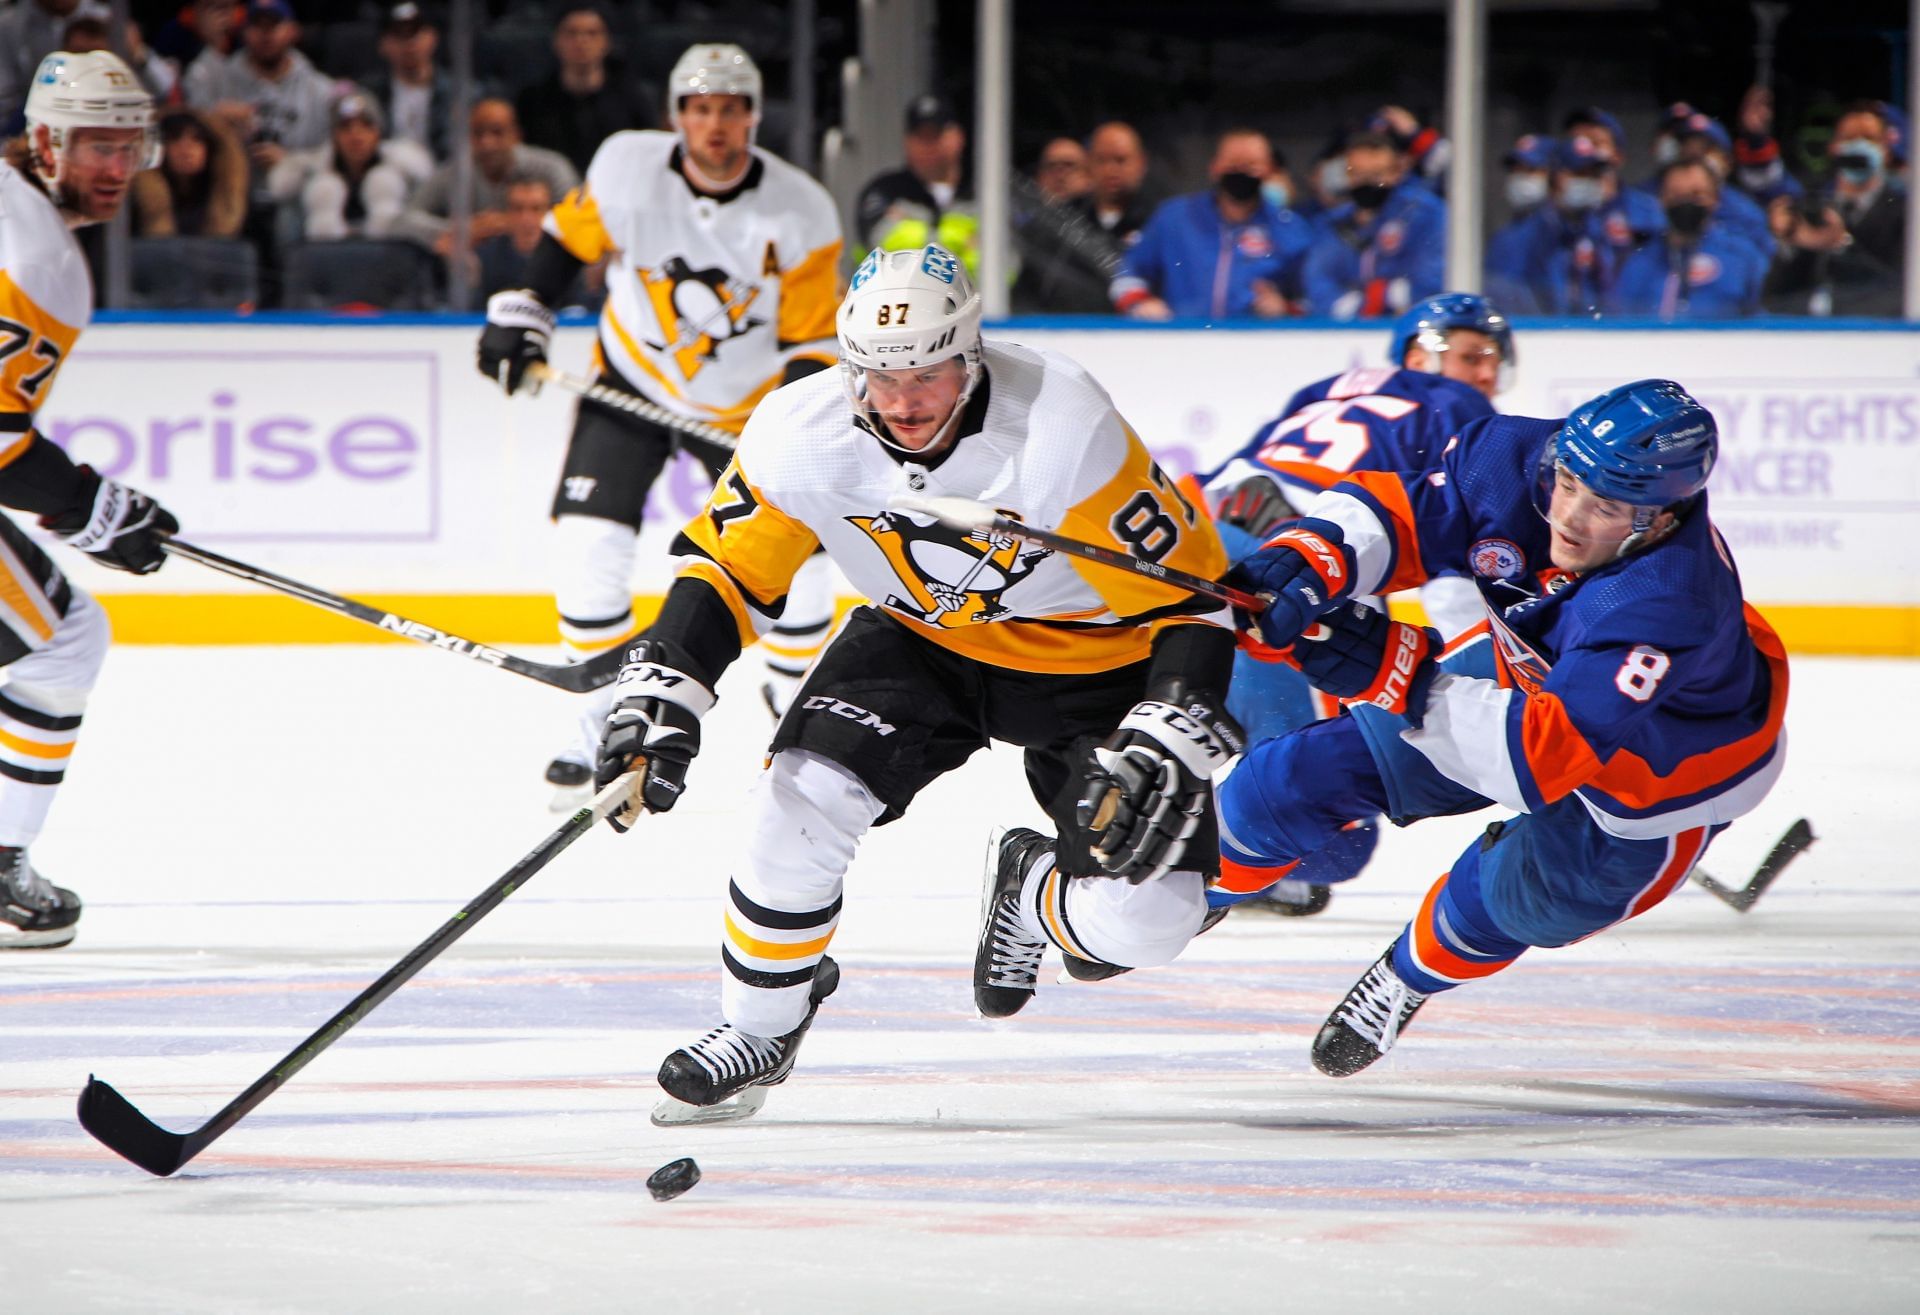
1623, 707
1450, 354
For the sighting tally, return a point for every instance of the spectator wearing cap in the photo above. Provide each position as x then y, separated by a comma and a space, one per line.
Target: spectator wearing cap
267, 92
1688, 134
1383, 250
499, 157
199, 188
930, 197
1592, 124
1562, 258
1849, 258
1529, 168
30, 31
1697, 269
589, 95
413, 92
1225, 253
357, 186
1428, 153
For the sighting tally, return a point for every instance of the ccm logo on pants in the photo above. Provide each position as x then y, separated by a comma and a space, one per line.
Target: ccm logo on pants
852, 712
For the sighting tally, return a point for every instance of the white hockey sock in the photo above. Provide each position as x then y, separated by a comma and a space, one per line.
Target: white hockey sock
783, 903
1111, 920
40, 707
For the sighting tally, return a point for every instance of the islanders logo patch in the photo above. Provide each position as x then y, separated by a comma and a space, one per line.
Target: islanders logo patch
1497, 559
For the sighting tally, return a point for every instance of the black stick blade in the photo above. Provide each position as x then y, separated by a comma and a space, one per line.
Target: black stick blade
121, 1128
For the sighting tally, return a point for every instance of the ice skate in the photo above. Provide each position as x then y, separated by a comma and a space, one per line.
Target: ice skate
35, 914
1366, 1023
723, 1077
1006, 967
1291, 899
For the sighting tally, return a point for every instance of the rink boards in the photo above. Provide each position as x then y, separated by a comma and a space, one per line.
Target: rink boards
369, 457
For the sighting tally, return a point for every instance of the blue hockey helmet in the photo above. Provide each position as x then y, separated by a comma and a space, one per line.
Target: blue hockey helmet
1428, 323
1648, 444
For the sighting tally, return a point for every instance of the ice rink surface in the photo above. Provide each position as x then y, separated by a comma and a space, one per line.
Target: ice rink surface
1696, 1111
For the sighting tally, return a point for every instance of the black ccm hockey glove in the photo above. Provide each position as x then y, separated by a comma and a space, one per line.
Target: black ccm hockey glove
654, 728
115, 525
1148, 785
519, 326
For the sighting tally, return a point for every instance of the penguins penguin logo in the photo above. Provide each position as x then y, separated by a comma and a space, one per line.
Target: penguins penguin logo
702, 307
952, 577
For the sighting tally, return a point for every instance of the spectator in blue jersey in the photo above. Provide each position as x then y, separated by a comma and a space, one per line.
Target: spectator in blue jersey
1638, 211
1386, 248
1324, 187
1225, 253
1428, 152
1687, 134
1449, 355
1625, 707
1529, 173
1563, 258
1698, 269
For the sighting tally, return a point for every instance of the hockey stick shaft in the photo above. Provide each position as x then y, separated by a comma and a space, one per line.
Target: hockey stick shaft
710, 436
577, 677
965, 514
122, 1128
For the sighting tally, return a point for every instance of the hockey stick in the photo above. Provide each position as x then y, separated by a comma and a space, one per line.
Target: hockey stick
574, 677
122, 1128
709, 436
1798, 839
977, 517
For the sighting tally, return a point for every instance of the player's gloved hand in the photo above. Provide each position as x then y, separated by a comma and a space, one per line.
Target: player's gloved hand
115, 525
1255, 505
519, 326
654, 728
1307, 568
1359, 654
1148, 784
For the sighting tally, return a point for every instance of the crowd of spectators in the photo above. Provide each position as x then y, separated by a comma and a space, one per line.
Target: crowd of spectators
264, 148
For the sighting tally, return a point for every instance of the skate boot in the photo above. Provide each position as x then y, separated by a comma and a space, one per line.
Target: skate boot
1366, 1024
1093, 970
35, 914
1292, 899
723, 1077
1006, 967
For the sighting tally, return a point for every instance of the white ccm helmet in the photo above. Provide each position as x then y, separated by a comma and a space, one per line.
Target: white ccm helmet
906, 310
715, 70
90, 90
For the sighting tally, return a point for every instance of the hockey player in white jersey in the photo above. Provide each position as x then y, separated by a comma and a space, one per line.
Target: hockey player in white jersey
722, 285
89, 130
1112, 682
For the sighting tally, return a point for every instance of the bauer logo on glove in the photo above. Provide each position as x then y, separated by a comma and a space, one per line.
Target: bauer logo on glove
1359, 654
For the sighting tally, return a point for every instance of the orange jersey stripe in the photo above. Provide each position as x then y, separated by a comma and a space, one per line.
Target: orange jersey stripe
1686, 852
1390, 493
1437, 958
1245, 879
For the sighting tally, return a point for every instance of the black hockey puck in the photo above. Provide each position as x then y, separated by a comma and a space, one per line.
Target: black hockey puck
670, 1180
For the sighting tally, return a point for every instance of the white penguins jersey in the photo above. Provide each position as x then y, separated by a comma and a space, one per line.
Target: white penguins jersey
1049, 449
46, 299
708, 297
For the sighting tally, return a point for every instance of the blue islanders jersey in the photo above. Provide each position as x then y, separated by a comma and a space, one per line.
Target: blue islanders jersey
1378, 419
1648, 688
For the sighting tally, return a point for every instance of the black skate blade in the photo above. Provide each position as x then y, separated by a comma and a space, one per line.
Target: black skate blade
117, 1125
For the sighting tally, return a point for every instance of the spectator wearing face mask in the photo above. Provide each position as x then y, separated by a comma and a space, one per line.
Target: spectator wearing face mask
1386, 248
1687, 134
1225, 253
1698, 269
1562, 259
1843, 254
1326, 183
1529, 173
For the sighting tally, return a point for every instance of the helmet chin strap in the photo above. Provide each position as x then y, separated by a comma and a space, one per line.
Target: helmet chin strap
881, 429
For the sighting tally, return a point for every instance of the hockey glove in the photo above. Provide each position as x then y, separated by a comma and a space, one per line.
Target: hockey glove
1255, 505
115, 525
1307, 567
1148, 785
519, 325
654, 728
1359, 654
